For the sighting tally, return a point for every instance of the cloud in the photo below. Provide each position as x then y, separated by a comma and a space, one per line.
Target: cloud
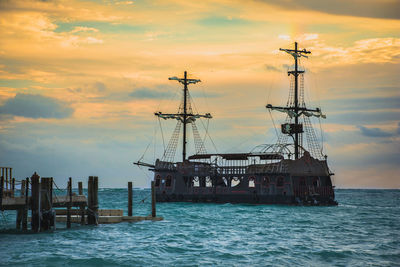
358, 104
373, 132
358, 8
148, 93
271, 68
197, 94
36, 106
84, 29
364, 117
222, 21
101, 87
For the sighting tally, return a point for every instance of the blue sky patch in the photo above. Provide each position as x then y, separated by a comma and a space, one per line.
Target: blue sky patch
220, 21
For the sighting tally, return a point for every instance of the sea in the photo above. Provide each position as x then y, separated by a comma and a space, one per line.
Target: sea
363, 230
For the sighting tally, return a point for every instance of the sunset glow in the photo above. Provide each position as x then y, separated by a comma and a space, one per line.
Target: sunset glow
80, 81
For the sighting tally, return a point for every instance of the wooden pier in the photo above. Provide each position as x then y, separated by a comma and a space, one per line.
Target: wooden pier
48, 208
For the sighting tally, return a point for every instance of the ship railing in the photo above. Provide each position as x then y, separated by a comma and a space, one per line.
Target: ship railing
231, 169
279, 167
164, 165
213, 169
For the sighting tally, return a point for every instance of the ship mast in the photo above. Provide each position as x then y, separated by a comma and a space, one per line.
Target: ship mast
294, 110
183, 115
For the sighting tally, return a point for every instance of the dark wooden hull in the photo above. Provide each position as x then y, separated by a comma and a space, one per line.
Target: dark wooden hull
305, 181
248, 199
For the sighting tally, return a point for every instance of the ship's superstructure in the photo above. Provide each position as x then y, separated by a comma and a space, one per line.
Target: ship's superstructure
281, 173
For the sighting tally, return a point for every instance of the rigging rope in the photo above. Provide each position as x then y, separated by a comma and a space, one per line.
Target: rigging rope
273, 122
162, 133
206, 128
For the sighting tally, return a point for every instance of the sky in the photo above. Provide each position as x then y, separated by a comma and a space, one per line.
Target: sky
80, 82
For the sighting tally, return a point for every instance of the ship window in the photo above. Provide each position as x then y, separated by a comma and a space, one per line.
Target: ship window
252, 182
157, 184
266, 182
196, 181
302, 181
168, 182
209, 181
235, 181
279, 183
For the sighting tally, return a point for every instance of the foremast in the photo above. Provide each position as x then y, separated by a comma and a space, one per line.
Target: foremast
184, 116
294, 110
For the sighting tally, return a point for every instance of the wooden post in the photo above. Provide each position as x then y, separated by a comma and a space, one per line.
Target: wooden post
153, 200
26, 208
69, 203
96, 198
6, 178
2, 184
89, 200
11, 182
80, 191
2, 174
12, 187
20, 212
80, 188
46, 204
1, 191
92, 200
23, 182
130, 198
35, 202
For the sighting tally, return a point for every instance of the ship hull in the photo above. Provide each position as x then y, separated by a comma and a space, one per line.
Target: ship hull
246, 199
305, 181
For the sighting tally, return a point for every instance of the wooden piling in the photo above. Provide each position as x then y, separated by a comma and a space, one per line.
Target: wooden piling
13, 187
46, 204
80, 188
69, 203
130, 195
11, 181
1, 190
20, 213
23, 188
82, 207
35, 202
93, 204
6, 169
26, 208
89, 200
95, 198
153, 200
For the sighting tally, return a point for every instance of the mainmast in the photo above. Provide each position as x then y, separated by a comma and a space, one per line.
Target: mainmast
185, 89
184, 115
293, 109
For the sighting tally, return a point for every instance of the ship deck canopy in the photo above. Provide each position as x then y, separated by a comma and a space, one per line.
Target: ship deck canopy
238, 156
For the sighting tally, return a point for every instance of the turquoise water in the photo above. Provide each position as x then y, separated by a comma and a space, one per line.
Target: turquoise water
364, 230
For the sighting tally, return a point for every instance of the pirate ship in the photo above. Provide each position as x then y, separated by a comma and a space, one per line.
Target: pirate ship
281, 173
